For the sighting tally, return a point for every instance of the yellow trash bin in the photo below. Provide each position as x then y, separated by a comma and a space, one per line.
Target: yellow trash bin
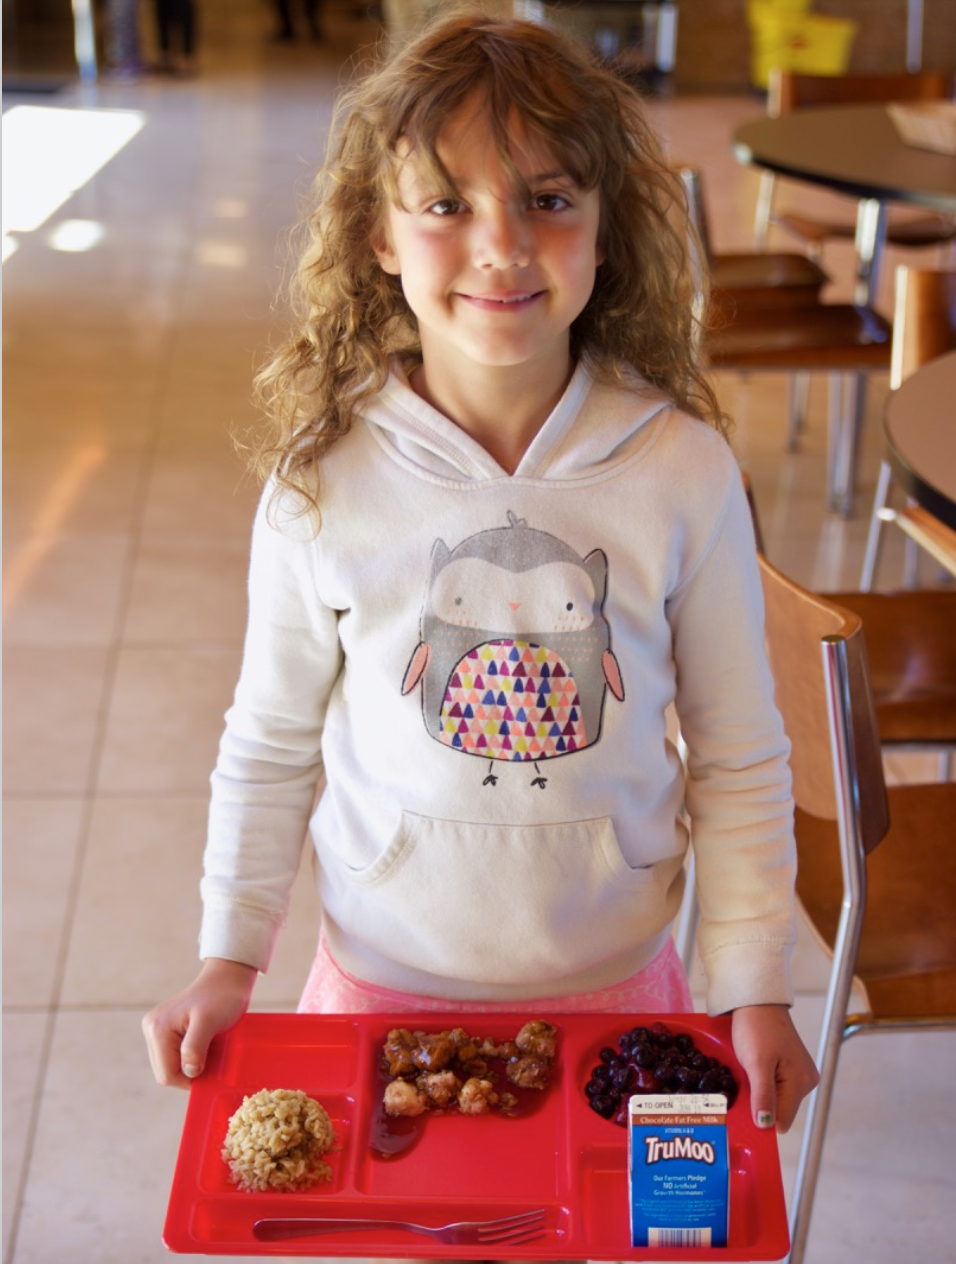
825, 45
786, 36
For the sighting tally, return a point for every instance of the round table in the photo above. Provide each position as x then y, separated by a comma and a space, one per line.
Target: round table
856, 150
920, 426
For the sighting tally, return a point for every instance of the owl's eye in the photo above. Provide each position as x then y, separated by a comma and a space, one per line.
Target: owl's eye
569, 606
457, 601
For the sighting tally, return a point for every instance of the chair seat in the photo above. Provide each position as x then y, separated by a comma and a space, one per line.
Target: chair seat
911, 646
773, 279
925, 230
907, 955
839, 336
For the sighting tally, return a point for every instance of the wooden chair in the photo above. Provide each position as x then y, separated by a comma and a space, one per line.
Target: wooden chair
841, 339
924, 326
789, 91
743, 278
911, 640
790, 329
876, 865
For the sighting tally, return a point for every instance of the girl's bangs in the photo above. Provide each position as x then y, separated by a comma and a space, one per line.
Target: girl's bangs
556, 114
554, 111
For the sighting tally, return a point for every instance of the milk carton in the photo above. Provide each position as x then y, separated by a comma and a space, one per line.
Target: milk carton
678, 1170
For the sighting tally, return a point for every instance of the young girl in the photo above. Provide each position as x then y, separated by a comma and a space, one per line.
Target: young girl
499, 539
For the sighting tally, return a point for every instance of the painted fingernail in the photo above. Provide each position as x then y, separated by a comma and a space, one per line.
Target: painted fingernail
190, 1070
764, 1119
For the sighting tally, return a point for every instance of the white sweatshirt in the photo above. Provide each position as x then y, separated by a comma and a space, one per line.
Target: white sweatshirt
481, 665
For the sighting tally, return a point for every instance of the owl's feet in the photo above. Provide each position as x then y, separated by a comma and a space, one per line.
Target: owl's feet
539, 781
490, 780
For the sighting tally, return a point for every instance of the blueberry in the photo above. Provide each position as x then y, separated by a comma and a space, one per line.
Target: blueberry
604, 1105
623, 1079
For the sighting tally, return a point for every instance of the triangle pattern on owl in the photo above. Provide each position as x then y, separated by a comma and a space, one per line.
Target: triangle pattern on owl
514, 659
512, 700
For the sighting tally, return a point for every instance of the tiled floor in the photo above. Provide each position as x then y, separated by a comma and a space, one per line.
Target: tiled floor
126, 516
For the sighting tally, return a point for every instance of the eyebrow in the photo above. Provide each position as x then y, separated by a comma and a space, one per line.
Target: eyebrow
543, 177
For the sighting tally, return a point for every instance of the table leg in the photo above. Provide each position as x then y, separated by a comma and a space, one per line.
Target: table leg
845, 424
870, 239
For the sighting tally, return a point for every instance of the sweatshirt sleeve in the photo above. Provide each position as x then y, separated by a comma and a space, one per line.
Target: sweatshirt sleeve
264, 782
738, 789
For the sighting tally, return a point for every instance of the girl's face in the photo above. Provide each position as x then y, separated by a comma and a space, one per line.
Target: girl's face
494, 276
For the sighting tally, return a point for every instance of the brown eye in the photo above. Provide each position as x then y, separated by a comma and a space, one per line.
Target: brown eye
569, 606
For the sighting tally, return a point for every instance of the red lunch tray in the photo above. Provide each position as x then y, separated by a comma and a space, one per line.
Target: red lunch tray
559, 1155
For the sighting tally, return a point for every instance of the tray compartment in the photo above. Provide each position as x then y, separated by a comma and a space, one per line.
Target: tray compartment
460, 1157
214, 1176
488, 1156
313, 1049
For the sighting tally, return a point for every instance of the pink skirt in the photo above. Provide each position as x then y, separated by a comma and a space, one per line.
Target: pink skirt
660, 988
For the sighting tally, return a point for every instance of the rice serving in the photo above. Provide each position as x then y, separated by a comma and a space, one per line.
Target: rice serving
276, 1140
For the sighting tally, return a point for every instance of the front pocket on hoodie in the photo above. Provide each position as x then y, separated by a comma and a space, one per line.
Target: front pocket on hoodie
503, 904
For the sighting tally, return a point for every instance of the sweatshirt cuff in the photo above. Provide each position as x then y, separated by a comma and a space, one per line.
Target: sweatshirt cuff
239, 934
755, 973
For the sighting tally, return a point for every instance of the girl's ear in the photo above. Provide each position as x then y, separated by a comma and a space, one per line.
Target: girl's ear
385, 252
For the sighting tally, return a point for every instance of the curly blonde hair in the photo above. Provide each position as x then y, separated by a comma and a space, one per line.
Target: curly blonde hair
351, 318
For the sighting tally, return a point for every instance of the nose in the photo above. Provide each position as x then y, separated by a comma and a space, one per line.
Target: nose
502, 238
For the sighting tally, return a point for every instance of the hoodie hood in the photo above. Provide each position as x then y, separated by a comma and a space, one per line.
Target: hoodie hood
592, 430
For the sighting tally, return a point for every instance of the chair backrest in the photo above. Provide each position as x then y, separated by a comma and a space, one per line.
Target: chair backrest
818, 659
924, 319
792, 90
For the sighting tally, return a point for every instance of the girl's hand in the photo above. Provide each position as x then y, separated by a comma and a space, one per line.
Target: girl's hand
780, 1070
178, 1032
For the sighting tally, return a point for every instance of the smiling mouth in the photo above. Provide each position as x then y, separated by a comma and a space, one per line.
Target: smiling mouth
503, 302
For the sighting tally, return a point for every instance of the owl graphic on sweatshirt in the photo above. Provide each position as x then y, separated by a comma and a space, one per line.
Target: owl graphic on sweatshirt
515, 653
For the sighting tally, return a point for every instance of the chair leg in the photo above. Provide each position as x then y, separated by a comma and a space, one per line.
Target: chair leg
910, 560
799, 395
832, 1035
847, 402
870, 239
875, 534
764, 206
811, 1151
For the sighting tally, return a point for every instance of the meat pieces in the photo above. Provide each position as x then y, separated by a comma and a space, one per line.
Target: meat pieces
530, 1070
403, 1098
439, 1087
434, 1052
538, 1037
450, 1070
398, 1049
477, 1097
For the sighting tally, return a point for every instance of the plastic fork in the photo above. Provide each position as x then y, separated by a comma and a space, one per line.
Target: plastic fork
519, 1228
